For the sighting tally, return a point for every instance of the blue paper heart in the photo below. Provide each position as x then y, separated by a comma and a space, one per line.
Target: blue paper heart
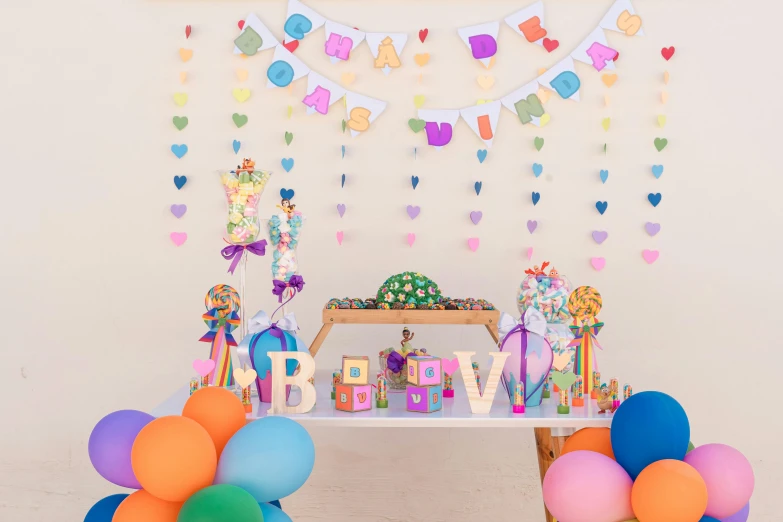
601, 206
179, 181
236, 146
287, 163
482, 155
536, 197
477, 187
179, 150
657, 170
343, 150
537, 169
287, 193
654, 199
415, 181
604, 175
343, 181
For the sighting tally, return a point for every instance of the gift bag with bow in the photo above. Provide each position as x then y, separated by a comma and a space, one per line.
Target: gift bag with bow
531, 354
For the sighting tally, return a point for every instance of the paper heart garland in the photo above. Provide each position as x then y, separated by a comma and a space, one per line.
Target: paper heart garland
667, 53
532, 224
241, 95
341, 209
481, 154
413, 211
538, 143
419, 100
609, 79
421, 59
651, 256
414, 181
203, 368
179, 181
239, 119
416, 125
180, 98
287, 163
180, 122
599, 236
244, 377
242, 74
348, 78
287, 193
236, 144
550, 45
598, 263
291, 46
652, 228
537, 169
340, 236
289, 137
187, 31
473, 243
601, 206
178, 210
423, 34
564, 381
178, 238
411, 238
660, 143
179, 150
486, 82
185, 54
536, 197
475, 216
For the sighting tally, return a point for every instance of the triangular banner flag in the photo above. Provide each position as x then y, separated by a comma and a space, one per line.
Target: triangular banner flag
562, 78
524, 102
622, 18
439, 125
529, 22
482, 40
268, 40
386, 48
594, 50
362, 111
341, 40
285, 68
321, 93
483, 119
301, 20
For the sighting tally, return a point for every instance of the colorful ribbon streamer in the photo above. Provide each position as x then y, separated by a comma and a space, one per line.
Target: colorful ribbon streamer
219, 335
585, 361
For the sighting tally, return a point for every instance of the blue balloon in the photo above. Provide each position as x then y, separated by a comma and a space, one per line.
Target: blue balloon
274, 514
705, 518
103, 510
648, 427
276, 503
269, 458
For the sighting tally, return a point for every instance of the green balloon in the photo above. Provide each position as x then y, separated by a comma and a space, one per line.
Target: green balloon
221, 503
691, 447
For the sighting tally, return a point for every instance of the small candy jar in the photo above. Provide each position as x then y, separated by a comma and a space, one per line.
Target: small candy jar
243, 188
394, 368
547, 292
285, 229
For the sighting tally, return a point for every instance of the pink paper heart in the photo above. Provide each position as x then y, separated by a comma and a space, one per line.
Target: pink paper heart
473, 243
598, 263
179, 238
450, 365
340, 236
411, 238
530, 253
651, 256
203, 368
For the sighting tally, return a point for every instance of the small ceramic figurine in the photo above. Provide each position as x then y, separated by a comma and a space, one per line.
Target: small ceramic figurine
286, 206
248, 165
407, 337
605, 399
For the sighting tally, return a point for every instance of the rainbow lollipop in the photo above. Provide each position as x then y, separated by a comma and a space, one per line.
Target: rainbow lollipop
584, 303
223, 298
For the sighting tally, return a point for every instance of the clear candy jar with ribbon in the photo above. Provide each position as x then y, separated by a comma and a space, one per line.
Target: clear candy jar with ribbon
547, 292
243, 188
285, 229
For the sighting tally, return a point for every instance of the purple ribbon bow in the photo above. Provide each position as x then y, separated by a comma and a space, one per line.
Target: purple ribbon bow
395, 362
278, 287
235, 252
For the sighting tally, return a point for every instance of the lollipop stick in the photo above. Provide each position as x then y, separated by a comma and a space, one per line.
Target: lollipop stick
242, 296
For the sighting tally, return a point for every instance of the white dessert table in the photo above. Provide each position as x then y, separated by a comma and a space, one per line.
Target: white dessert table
551, 429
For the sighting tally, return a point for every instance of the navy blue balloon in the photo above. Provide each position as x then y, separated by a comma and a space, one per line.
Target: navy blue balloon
273, 514
648, 427
705, 518
103, 510
276, 503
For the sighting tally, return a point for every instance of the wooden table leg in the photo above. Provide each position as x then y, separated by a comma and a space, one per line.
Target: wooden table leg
493, 331
319, 339
548, 448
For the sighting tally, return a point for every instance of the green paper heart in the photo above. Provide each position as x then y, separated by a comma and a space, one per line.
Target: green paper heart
416, 125
289, 137
180, 122
539, 143
239, 119
564, 380
604, 148
343, 125
660, 143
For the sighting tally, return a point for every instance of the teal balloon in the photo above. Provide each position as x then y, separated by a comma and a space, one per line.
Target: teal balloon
274, 514
221, 503
648, 427
705, 518
103, 510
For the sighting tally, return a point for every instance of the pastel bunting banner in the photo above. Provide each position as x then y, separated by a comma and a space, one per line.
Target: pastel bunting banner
362, 112
321, 93
483, 120
301, 21
482, 40
255, 36
529, 23
622, 18
285, 68
386, 49
341, 40
439, 125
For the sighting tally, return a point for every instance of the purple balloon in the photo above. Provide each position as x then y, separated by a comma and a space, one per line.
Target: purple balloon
740, 516
110, 446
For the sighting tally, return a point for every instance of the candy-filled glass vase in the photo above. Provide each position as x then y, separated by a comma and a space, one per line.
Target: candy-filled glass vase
284, 231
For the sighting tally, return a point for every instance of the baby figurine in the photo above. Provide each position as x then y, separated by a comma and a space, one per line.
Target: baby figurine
407, 337
605, 399
286, 206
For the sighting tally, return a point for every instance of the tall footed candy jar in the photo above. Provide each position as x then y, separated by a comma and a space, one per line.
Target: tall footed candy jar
547, 291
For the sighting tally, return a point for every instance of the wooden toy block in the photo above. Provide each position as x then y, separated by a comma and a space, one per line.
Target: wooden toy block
356, 369
424, 399
424, 371
353, 397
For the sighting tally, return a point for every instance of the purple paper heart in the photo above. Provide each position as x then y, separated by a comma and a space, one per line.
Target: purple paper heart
599, 236
341, 209
179, 210
531, 225
476, 216
413, 211
652, 228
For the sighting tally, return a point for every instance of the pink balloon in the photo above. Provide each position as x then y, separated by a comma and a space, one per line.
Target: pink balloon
728, 475
585, 486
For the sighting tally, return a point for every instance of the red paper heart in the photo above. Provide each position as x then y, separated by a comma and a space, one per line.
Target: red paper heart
667, 53
616, 56
291, 46
187, 31
423, 34
241, 24
551, 45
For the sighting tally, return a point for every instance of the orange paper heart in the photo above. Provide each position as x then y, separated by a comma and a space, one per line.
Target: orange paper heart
609, 79
421, 59
486, 82
183, 76
348, 78
666, 77
185, 54
490, 65
541, 71
606, 100
242, 74
543, 95
664, 97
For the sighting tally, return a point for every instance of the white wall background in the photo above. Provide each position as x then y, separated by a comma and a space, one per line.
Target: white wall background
101, 312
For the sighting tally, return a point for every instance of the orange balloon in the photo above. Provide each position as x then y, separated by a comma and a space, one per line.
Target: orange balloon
669, 491
173, 457
143, 506
590, 439
219, 411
